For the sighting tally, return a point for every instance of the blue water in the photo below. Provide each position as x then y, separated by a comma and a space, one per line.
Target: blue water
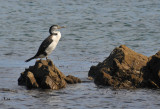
93, 29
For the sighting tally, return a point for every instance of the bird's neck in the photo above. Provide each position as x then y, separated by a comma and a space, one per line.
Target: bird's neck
55, 32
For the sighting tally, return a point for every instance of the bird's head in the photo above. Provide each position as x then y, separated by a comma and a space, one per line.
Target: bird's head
54, 28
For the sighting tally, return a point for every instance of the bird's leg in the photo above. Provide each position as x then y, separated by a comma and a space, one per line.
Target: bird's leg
46, 58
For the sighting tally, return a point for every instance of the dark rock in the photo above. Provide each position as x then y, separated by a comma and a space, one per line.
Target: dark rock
44, 74
122, 69
72, 80
152, 72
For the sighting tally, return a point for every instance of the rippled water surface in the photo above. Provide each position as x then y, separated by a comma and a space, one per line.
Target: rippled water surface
94, 29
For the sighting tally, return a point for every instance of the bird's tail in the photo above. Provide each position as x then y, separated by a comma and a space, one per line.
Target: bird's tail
30, 59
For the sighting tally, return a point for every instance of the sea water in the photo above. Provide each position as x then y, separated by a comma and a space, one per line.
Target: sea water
93, 29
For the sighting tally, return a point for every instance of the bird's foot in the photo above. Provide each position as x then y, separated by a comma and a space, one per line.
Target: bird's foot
47, 59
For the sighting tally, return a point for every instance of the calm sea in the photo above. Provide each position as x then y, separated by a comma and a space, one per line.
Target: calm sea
93, 29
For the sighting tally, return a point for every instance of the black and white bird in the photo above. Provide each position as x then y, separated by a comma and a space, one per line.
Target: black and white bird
49, 44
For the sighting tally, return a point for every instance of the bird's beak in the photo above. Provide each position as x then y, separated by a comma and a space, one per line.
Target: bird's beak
61, 27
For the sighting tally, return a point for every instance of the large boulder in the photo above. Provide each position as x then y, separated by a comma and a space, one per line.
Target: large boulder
44, 74
122, 69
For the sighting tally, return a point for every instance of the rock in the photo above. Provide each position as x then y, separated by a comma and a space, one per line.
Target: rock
30, 80
44, 74
72, 80
152, 72
122, 69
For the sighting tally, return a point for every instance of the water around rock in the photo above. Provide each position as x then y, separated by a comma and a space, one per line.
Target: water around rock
124, 68
44, 74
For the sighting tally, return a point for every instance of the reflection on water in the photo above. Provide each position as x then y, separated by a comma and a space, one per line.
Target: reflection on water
94, 29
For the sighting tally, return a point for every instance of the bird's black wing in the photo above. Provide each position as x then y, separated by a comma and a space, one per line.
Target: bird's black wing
44, 45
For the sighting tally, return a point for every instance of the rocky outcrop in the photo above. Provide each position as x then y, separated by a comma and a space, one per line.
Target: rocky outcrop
152, 72
124, 68
44, 74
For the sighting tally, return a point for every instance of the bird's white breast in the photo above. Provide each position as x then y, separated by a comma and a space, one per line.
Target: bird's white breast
54, 43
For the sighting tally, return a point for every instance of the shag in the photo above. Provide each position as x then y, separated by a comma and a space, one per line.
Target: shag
49, 44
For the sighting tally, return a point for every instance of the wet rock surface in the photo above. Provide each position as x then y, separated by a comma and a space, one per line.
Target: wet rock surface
124, 68
44, 74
